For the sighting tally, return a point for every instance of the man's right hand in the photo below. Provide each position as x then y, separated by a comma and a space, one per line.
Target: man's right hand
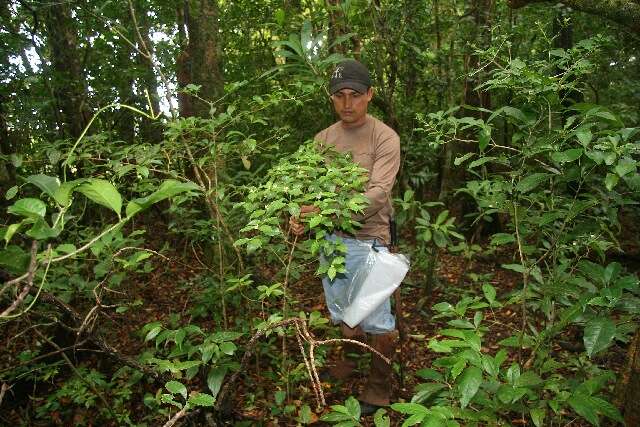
297, 227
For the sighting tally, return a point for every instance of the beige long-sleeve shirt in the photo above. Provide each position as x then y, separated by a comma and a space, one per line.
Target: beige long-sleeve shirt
375, 147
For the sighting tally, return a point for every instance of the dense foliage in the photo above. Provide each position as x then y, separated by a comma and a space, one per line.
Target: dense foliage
152, 153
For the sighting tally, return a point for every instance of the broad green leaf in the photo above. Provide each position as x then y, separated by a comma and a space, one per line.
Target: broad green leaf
102, 192
315, 221
583, 405
484, 137
584, 136
380, 420
515, 267
489, 293
228, 348
29, 207
611, 180
201, 399
353, 407
567, 156
42, 231
167, 189
468, 384
215, 379
425, 391
625, 166
537, 415
598, 334
502, 239
607, 409
530, 182
410, 408
63, 194
176, 387
47, 184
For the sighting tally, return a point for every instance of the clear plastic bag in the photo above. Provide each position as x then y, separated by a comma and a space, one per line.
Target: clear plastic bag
376, 279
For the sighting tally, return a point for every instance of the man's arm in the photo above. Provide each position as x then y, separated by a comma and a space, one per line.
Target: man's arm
382, 177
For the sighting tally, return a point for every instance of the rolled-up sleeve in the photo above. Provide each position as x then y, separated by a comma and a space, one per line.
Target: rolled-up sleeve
382, 177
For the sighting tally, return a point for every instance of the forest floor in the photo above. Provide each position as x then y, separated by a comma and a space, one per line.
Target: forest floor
170, 289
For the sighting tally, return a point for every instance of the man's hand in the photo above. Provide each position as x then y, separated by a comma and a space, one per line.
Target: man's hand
297, 227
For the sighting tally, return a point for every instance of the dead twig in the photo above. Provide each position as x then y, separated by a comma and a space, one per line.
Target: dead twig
302, 335
176, 417
3, 391
31, 271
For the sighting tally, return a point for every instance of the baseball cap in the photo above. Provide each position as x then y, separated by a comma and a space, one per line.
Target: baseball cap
350, 74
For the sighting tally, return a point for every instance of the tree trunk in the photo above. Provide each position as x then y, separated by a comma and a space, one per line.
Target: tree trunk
628, 387
150, 130
199, 61
336, 26
68, 79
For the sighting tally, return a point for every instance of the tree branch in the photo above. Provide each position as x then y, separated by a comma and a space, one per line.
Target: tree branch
624, 12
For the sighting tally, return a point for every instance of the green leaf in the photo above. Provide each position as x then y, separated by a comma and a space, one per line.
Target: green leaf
353, 407
584, 136
583, 405
537, 415
468, 384
502, 239
201, 399
317, 219
515, 267
176, 387
215, 379
611, 180
379, 419
47, 184
489, 293
462, 159
484, 137
410, 408
228, 348
598, 334
530, 182
42, 231
167, 189
152, 333
11, 230
625, 166
29, 207
567, 156
331, 272
11, 193
102, 192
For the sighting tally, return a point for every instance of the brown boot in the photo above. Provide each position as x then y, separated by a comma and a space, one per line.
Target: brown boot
345, 367
377, 390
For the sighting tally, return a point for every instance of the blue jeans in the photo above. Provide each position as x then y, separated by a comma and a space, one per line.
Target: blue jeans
381, 321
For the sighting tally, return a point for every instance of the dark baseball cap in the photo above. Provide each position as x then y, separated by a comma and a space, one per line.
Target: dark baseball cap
350, 74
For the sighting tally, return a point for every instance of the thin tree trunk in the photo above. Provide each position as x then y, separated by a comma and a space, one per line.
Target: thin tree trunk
628, 387
68, 79
199, 62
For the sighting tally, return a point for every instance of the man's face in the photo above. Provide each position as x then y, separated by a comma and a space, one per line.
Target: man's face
351, 105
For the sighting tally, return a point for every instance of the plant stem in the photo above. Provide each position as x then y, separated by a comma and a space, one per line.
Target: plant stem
525, 282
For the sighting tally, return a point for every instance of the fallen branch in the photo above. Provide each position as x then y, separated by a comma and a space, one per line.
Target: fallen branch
302, 335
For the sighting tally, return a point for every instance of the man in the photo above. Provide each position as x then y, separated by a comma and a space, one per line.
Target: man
376, 147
